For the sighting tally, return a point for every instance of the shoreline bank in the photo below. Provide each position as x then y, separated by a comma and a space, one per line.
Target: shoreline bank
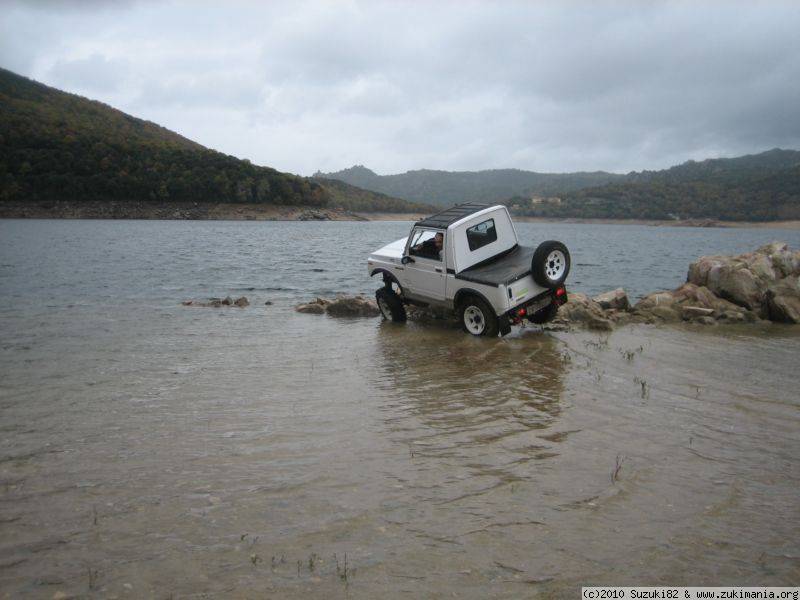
254, 212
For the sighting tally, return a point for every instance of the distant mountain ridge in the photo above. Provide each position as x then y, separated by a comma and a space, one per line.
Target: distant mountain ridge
757, 187
60, 147
444, 188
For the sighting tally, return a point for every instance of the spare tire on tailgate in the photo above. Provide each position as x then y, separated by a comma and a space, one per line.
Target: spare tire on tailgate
550, 264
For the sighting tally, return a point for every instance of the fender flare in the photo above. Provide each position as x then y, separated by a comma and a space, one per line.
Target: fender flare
386, 275
469, 292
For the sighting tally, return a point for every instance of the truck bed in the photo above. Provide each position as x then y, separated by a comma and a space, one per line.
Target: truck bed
502, 270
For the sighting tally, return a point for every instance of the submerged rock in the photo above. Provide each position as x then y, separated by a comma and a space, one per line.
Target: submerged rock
218, 303
315, 307
341, 306
353, 306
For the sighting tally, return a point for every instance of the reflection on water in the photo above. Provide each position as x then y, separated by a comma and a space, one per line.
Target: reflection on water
468, 393
152, 450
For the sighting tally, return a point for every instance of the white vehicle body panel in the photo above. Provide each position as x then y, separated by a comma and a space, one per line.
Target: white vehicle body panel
463, 257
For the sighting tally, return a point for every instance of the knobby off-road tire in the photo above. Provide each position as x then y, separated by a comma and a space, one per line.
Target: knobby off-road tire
390, 305
550, 264
477, 317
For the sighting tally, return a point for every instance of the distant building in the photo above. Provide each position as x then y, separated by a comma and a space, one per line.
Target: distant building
545, 200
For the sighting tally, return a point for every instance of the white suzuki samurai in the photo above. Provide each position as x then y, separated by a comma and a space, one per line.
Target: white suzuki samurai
468, 259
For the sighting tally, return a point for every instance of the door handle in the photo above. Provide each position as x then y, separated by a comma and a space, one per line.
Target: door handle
438, 270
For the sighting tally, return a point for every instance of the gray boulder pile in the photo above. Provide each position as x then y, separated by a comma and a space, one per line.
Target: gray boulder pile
750, 287
764, 281
341, 306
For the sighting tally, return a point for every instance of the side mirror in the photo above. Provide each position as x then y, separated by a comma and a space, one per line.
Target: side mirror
406, 259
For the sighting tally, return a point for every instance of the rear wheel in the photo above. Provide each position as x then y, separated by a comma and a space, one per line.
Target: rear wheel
390, 305
478, 318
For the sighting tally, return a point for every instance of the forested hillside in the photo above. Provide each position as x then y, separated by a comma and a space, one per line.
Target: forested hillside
444, 188
761, 187
352, 198
61, 147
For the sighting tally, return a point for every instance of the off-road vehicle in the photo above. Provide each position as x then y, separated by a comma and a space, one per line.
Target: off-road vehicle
468, 259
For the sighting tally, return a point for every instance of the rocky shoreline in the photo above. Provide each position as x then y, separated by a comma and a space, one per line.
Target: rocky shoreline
172, 211
263, 212
759, 286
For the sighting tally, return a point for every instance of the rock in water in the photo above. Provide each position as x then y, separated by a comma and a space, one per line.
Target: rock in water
241, 302
353, 306
342, 306
311, 308
616, 299
783, 300
745, 279
582, 309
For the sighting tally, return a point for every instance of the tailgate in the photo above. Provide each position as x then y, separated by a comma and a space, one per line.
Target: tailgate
523, 290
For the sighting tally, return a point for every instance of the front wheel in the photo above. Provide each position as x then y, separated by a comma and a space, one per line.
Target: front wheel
478, 318
390, 305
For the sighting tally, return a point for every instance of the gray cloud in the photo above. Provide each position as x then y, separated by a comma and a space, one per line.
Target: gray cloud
317, 85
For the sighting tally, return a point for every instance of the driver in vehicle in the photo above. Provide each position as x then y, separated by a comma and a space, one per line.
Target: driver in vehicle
431, 248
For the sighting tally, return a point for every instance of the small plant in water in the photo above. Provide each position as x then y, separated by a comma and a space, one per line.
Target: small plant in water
645, 387
278, 560
312, 561
341, 571
617, 469
93, 573
255, 559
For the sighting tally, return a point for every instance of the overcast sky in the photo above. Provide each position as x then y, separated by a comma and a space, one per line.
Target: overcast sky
544, 86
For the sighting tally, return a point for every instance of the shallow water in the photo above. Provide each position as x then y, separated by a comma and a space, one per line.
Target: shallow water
149, 449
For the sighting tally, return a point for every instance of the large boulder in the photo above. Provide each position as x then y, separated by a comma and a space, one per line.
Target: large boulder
783, 300
582, 309
745, 279
616, 299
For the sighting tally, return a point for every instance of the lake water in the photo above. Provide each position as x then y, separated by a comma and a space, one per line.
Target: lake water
153, 450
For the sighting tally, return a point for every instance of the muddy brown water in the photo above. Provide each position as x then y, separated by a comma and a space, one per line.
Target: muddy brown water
238, 465
152, 450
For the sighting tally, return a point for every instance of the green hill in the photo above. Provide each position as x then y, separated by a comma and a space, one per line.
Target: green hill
352, 198
760, 187
56, 146
59, 147
443, 188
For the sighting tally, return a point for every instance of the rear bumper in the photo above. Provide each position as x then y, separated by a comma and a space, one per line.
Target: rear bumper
557, 296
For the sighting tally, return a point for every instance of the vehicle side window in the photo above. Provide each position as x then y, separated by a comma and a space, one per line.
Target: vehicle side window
425, 244
481, 234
